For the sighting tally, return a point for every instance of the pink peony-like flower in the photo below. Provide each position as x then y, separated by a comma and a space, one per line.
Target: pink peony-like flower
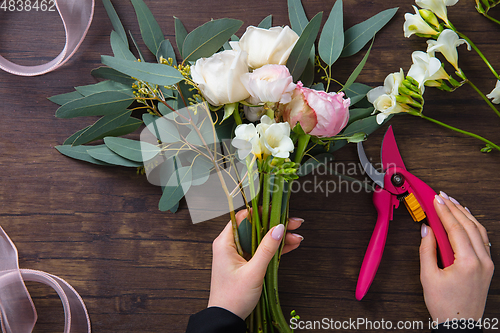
319, 113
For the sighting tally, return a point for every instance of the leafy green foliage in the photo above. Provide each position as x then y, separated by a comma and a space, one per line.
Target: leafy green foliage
112, 74
80, 153
180, 33
120, 49
115, 21
357, 70
138, 151
266, 23
98, 104
297, 16
104, 154
245, 234
150, 29
331, 40
166, 51
102, 126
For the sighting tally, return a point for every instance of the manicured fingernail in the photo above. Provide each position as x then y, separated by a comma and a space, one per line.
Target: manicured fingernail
425, 230
467, 209
439, 199
454, 201
444, 195
278, 231
300, 236
296, 219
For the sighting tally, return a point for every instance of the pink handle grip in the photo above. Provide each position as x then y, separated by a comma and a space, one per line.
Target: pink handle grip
425, 196
383, 203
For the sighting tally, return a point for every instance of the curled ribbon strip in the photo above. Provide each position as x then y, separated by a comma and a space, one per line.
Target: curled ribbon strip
16, 307
76, 16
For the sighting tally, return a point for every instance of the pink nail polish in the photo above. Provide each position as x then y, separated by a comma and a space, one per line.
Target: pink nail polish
439, 199
296, 219
444, 195
467, 209
454, 201
300, 236
277, 232
425, 230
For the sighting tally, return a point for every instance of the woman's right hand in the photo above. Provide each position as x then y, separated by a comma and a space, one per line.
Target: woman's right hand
460, 290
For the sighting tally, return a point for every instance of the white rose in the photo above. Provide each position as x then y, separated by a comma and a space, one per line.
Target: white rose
415, 24
447, 43
266, 46
218, 77
269, 83
495, 94
438, 7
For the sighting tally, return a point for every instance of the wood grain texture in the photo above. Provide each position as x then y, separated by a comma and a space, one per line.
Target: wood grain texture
141, 270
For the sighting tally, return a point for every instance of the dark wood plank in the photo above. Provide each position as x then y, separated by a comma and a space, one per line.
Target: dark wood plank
141, 270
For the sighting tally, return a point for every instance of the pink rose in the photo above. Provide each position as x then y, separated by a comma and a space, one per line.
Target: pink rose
319, 113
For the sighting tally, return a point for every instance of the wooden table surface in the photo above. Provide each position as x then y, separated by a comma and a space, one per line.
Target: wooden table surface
142, 270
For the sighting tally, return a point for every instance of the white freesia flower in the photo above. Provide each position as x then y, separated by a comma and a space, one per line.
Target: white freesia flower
415, 24
390, 87
218, 77
447, 43
246, 140
277, 141
386, 105
495, 94
265, 122
438, 7
266, 46
426, 67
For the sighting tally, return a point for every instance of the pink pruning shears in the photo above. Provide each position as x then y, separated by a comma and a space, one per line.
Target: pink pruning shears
393, 185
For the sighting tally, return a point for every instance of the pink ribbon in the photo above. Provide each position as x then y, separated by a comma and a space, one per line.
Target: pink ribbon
16, 307
76, 16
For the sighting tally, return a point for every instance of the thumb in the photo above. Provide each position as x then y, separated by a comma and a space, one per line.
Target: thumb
266, 250
428, 253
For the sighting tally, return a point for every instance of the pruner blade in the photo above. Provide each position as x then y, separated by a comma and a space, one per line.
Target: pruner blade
370, 170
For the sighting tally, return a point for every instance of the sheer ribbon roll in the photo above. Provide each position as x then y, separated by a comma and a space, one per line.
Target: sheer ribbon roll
16, 307
76, 16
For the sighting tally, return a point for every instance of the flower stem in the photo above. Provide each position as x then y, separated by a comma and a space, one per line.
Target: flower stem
484, 97
491, 18
236, 115
266, 201
301, 147
414, 113
479, 53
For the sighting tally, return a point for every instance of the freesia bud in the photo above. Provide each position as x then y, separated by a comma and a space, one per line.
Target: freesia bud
416, 24
429, 17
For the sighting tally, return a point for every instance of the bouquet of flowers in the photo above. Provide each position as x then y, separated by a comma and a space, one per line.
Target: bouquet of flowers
404, 94
235, 118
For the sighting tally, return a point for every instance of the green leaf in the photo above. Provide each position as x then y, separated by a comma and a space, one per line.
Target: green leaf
245, 234
180, 33
141, 56
129, 126
308, 166
107, 85
209, 38
115, 21
178, 184
99, 104
162, 128
331, 40
356, 114
120, 49
297, 16
357, 36
72, 138
159, 74
358, 69
298, 57
201, 169
102, 126
80, 153
111, 74
366, 125
138, 151
164, 110
65, 98
150, 29
104, 154
357, 137
228, 110
166, 51
307, 77
266, 23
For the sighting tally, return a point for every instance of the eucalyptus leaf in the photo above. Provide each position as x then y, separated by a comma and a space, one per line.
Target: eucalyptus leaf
104, 154
298, 57
366, 125
356, 114
115, 21
150, 29
331, 40
164, 110
120, 49
266, 23
180, 33
357, 92
207, 39
153, 73
245, 235
102, 126
307, 77
201, 169
166, 51
357, 36
178, 184
112, 74
205, 129
138, 151
358, 69
98, 104
141, 56
297, 16
65, 98
319, 86
129, 126
107, 85
72, 138
80, 153
163, 128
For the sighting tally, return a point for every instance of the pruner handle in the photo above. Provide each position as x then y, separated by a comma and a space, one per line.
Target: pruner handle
383, 201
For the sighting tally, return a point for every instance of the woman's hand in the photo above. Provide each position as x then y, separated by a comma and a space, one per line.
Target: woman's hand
460, 290
237, 283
